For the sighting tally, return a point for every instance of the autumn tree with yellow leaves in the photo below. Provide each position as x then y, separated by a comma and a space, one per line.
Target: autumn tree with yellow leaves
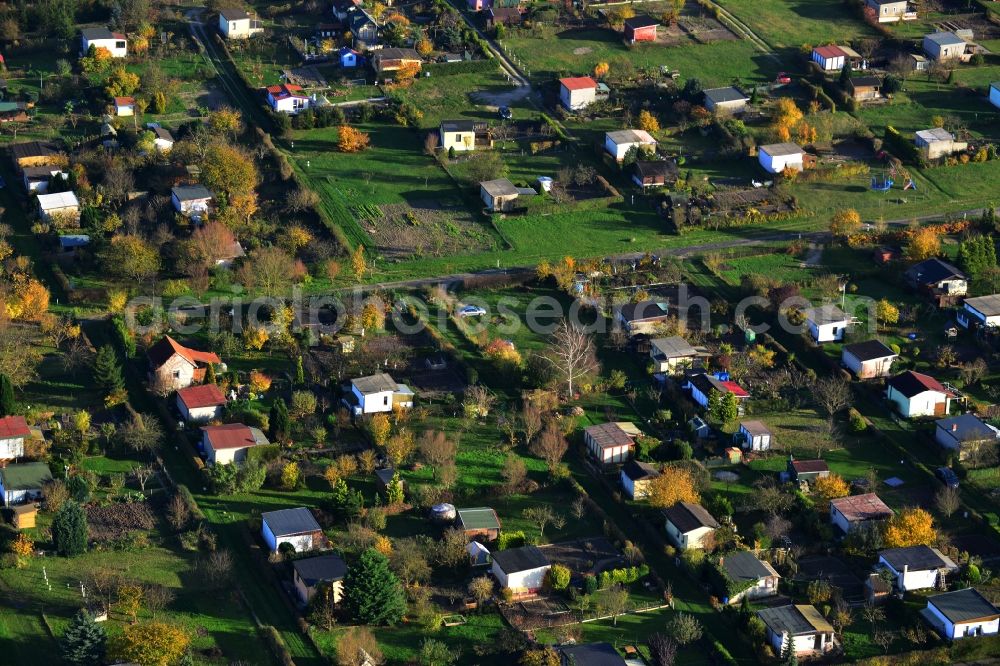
909, 527
673, 485
150, 644
831, 487
787, 116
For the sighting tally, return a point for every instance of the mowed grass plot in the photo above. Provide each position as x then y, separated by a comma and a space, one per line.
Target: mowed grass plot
787, 24
577, 51
393, 170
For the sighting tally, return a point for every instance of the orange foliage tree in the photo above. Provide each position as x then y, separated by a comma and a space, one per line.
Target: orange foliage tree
351, 140
674, 485
910, 527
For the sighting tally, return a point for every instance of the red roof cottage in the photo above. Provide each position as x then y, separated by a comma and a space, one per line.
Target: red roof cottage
201, 403
174, 366
641, 28
13, 430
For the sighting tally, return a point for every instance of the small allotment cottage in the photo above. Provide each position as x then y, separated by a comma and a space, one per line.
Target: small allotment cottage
393, 59
201, 403
229, 443
114, 43
124, 106
23, 482
916, 567
191, 199
312, 572
610, 442
173, 366
803, 626
640, 28
962, 614
943, 46
642, 317
827, 323
13, 431
379, 393
522, 570
577, 92
847, 513
776, 157
829, 58
891, 11
967, 435
654, 173
164, 141
744, 568
618, 143
672, 355
287, 98
868, 360
937, 142
981, 311
464, 135
753, 436
499, 195
689, 525
296, 527
937, 277
237, 24
700, 387
807, 470
635, 477
728, 100
60, 208
915, 394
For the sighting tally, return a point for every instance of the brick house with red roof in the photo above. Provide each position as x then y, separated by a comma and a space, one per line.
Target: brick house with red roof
287, 98
173, 366
224, 444
915, 394
13, 430
198, 404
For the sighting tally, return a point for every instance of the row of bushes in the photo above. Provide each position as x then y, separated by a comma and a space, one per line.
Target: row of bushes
623, 576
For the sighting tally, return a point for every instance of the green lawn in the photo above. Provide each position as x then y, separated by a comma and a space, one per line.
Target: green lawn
787, 24
575, 52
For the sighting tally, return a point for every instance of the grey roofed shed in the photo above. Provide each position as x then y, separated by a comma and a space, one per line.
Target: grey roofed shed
987, 305
374, 384
674, 347
524, 558
314, 570
781, 149
191, 192
723, 95
501, 187
963, 605
743, 566
288, 522
917, 558
785, 619
686, 516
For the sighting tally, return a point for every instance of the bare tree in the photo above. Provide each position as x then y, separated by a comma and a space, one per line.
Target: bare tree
531, 420
358, 647
212, 241
480, 399
572, 354
550, 446
542, 515
947, 501
157, 597
832, 394
437, 450
142, 475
